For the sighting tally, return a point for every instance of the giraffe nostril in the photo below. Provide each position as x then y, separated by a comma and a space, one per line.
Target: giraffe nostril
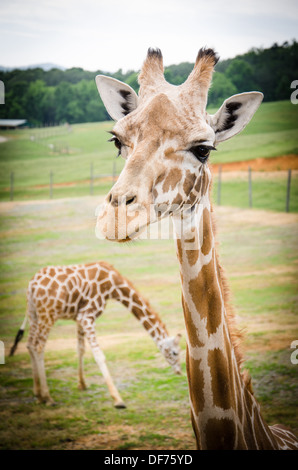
116, 200
130, 200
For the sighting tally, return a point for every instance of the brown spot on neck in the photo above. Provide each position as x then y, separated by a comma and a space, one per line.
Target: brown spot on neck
192, 248
223, 395
206, 297
191, 328
206, 230
195, 377
179, 250
220, 434
192, 256
204, 183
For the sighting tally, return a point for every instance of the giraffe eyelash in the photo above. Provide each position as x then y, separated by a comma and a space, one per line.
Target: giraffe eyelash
201, 152
117, 143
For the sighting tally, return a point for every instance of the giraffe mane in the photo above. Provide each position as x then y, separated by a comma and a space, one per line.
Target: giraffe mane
236, 334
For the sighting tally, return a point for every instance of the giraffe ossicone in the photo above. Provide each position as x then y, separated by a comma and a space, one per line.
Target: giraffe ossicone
80, 293
166, 136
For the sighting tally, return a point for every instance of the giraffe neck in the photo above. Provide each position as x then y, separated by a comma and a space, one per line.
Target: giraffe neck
142, 310
224, 411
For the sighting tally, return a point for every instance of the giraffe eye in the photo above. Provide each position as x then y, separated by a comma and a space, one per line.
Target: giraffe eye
117, 143
201, 152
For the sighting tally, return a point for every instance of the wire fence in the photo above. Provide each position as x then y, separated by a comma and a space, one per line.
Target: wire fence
250, 191
94, 178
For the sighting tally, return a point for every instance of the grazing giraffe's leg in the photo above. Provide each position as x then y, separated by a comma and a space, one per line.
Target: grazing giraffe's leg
36, 345
81, 351
89, 330
36, 386
32, 334
44, 396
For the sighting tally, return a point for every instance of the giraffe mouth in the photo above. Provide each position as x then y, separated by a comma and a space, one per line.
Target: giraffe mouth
133, 235
121, 223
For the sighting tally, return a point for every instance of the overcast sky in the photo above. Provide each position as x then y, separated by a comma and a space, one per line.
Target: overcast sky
113, 34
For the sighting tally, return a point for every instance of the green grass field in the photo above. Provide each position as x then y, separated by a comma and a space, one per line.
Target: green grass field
259, 252
272, 132
269, 190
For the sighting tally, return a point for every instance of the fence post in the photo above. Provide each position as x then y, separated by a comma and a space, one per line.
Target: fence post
11, 185
219, 186
249, 187
288, 191
51, 185
91, 179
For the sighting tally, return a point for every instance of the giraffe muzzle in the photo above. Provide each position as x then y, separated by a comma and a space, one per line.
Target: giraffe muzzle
122, 219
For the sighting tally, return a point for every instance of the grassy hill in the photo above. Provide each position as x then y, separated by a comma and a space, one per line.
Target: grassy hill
272, 132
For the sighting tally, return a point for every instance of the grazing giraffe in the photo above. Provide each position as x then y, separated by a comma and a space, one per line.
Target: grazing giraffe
166, 136
80, 293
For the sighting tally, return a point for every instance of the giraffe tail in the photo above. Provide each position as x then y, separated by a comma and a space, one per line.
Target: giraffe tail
18, 337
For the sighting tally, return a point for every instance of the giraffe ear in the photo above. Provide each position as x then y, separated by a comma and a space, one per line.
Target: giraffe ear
118, 97
234, 114
177, 339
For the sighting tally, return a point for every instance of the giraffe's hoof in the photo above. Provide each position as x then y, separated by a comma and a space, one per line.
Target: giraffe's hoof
82, 386
51, 403
38, 400
120, 404
45, 401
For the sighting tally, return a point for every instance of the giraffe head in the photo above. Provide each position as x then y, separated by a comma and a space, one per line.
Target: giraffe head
170, 349
165, 135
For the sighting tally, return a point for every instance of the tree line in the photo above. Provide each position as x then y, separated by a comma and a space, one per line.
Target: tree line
58, 96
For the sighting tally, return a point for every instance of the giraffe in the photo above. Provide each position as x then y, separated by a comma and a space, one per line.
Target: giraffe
166, 136
80, 293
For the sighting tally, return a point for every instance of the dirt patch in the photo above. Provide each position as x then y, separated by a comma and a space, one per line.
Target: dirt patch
275, 270
284, 162
245, 217
111, 437
117, 437
268, 341
8, 206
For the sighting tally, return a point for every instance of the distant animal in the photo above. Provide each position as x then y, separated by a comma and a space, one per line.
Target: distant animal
80, 293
